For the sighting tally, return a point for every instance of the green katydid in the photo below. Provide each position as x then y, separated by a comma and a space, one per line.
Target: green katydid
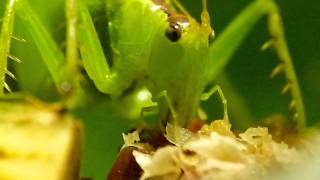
103, 75
166, 51
170, 53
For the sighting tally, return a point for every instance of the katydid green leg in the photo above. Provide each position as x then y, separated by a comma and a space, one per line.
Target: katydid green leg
90, 48
280, 45
98, 70
237, 106
228, 42
217, 89
164, 94
6, 32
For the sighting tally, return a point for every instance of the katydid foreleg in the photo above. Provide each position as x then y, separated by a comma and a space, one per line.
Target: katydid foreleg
217, 89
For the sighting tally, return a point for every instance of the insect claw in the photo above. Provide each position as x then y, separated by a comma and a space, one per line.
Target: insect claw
6, 86
292, 105
267, 45
14, 58
10, 74
285, 89
278, 69
18, 39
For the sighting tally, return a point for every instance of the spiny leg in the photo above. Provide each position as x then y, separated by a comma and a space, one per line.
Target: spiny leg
6, 35
5, 43
278, 42
230, 39
217, 89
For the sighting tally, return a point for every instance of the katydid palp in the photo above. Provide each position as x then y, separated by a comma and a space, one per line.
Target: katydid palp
161, 45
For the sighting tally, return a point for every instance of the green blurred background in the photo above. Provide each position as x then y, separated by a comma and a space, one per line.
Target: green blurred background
248, 71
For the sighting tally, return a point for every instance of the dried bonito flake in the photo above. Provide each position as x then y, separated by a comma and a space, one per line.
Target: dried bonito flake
162, 163
222, 127
133, 140
265, 149
216, 153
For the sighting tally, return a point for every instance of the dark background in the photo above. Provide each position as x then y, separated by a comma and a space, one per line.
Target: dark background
248, 71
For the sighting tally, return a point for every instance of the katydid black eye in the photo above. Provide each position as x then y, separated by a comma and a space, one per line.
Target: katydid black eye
173, 32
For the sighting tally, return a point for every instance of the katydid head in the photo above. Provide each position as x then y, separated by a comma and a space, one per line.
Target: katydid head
184, 26
179, 63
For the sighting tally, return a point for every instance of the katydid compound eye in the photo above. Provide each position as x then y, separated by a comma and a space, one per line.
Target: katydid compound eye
173, 32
